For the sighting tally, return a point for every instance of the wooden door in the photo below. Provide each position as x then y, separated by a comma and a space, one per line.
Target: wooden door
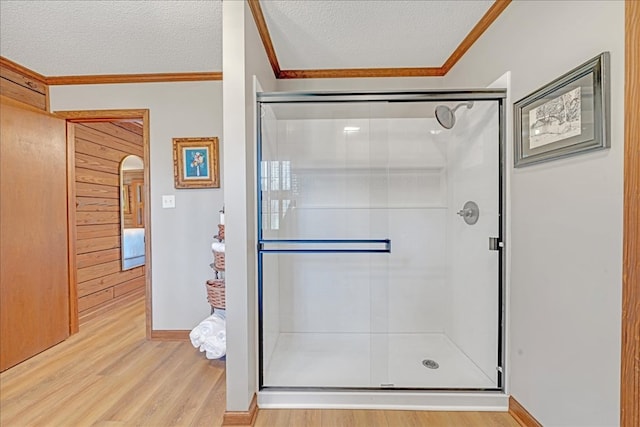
137, 203
34, 275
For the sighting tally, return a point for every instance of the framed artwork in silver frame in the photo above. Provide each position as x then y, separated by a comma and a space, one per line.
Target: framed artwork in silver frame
566, 117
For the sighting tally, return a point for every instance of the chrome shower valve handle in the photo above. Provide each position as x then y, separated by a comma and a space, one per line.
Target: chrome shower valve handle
465, 212
470, 212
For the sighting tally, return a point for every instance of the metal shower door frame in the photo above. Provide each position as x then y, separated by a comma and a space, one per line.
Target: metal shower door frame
481, 94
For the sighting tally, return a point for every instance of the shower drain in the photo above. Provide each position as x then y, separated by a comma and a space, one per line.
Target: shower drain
431, 364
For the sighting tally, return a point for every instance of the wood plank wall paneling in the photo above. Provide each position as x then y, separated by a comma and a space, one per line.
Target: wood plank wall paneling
100, 147
87, 232
15, 84
110, 281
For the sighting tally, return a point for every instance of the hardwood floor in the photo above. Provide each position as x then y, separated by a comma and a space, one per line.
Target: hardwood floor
109, 375
364, 418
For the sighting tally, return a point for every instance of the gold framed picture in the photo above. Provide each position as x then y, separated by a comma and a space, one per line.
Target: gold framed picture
196, 162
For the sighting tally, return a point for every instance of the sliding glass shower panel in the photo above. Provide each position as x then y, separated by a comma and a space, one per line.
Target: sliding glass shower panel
379, 248
323, 196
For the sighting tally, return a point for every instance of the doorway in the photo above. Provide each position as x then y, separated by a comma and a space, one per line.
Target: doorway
102, 231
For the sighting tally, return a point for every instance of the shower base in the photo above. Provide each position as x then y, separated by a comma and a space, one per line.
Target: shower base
371, 361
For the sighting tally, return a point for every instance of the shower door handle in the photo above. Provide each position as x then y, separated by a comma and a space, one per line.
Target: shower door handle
325, 246
495, 244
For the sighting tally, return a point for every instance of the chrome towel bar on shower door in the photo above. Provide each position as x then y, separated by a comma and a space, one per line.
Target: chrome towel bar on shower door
319, 246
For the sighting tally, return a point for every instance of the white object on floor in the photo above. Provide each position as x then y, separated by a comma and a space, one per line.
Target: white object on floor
210, 336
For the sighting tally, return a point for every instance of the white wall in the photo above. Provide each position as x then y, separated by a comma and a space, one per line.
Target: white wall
181, 237
347, 84
384, 181
566, 218
243, 58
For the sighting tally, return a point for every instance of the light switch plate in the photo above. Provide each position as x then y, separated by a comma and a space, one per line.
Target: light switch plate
168, 202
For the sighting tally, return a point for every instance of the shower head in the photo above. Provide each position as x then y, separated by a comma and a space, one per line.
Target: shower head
447, 116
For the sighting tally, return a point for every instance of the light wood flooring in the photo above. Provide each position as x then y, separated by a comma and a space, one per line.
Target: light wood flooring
109, 375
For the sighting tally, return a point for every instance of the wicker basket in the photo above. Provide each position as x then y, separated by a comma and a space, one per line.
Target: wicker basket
220, 232
218, 261
216, 293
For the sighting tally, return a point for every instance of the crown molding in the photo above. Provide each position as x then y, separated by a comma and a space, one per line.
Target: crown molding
254, 5
17, 68
261, 24
133, 78
360, 72
109, 78
485, 22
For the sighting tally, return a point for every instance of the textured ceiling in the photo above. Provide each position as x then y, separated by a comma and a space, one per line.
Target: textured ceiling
112, 37
88, 37
369, 34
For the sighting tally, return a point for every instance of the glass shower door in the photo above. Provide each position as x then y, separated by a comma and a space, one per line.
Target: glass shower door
380, 244
323, 244
444, 272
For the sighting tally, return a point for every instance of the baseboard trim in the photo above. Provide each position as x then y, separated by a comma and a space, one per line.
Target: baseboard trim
521, 415
170, 335
247, 418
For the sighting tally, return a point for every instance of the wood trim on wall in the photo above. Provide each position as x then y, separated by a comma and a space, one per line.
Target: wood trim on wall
170, 335
521, 415
630, 363
17, 68
101, 115
256, 10
247, 418
146, 142
361, 72
18, 82
107, 78
74, 323
261, 24
133, 78
47, 98
485, 22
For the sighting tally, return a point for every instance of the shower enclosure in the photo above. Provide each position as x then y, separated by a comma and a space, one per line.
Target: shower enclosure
380, 230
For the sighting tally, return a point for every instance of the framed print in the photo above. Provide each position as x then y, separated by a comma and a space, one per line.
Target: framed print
196, 162
566, 117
